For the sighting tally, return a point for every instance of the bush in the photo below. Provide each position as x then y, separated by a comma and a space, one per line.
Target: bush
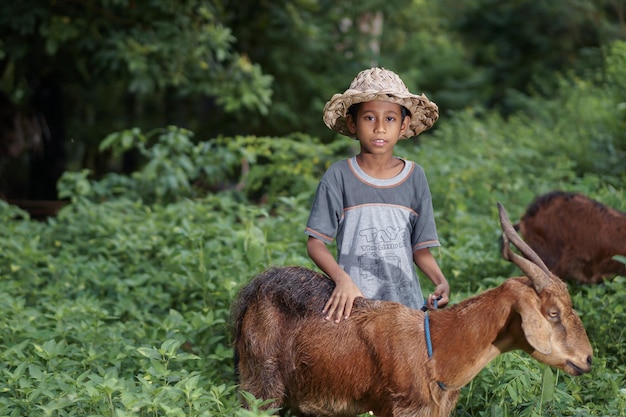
120, 305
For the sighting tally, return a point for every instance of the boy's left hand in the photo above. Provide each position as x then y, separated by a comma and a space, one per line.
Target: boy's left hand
441, 294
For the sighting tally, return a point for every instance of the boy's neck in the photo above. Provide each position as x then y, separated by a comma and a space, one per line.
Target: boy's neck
380, 166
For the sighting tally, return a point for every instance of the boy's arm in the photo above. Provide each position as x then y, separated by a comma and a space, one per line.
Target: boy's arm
426, 262
340, 302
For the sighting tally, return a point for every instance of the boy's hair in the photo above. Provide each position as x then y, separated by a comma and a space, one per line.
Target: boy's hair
354, 109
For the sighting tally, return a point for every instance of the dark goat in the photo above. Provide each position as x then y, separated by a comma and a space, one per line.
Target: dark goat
378, 360
575, 236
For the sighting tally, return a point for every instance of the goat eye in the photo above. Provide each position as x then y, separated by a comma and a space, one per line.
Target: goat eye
554, 314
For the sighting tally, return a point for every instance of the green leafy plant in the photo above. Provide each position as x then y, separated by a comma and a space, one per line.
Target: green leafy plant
120, 304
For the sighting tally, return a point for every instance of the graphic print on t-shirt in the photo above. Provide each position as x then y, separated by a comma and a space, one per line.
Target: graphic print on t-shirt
372, 267
374, 263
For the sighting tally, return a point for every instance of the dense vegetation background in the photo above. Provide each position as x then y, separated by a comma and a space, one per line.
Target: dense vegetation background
185, 139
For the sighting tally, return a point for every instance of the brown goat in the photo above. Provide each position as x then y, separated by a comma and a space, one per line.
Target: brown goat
575, 236
378, 360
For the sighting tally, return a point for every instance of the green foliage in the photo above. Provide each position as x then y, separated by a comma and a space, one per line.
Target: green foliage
604, 318
313, 49
150, 46
522, 43
120, 305
89, 69
172, 167
119, 308
249, 68
431, 59
280, 167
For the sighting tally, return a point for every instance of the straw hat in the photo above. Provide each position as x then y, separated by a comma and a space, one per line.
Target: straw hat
380, 84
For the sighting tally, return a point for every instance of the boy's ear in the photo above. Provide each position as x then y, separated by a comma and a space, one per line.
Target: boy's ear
405, 123
351, 123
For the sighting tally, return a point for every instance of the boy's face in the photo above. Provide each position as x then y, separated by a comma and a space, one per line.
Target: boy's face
378, 125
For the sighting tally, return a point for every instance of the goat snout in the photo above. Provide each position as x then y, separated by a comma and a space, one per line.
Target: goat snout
576, 370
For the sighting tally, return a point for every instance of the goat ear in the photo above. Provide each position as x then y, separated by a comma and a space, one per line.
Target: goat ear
536, 329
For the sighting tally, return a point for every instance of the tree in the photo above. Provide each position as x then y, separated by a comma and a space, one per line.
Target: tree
313, 49
91, 59
524, 43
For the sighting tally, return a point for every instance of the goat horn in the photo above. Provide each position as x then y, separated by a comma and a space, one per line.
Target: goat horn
531, 264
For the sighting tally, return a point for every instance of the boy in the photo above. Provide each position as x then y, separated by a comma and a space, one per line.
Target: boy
376, 205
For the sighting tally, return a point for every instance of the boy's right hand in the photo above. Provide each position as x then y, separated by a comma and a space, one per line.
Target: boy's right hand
339, 305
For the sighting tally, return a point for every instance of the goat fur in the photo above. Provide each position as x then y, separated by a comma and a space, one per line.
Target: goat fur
575, 236
377, 360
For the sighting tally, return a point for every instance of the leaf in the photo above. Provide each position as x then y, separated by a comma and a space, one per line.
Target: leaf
620, 258
186, 357
547, 384
169, 347
150, 353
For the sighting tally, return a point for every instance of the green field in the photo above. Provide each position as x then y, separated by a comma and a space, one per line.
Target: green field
119, 305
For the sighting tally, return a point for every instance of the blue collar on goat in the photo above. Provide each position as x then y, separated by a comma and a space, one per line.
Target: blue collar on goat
429, 344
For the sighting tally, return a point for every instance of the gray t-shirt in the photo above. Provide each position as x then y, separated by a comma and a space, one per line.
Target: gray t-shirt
378, 225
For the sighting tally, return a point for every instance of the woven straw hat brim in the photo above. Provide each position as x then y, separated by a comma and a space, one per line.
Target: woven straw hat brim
424, 113
380, 84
